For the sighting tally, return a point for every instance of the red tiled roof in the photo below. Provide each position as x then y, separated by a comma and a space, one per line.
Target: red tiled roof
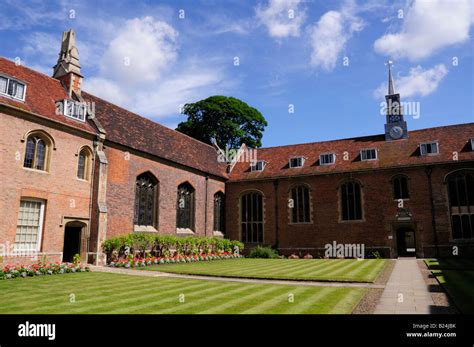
42, 92
390, 153
121, 126
131, 130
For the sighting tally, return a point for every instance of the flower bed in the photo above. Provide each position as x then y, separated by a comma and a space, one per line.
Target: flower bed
39, 269
142, 262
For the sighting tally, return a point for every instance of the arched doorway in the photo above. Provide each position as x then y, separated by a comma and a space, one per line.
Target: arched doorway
72, 240
406, 244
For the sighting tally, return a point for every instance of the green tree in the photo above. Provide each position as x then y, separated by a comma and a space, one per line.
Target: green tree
229, 120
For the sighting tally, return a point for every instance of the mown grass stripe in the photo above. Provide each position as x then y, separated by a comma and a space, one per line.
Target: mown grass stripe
150, 306
348, 301
221, 309
104, 296
301, 303
279, 299
206, 299
133, 297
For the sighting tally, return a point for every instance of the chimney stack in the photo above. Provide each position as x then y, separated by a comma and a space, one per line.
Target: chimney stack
67, 69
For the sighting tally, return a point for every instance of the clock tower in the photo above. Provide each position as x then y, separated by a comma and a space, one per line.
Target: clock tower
395, 126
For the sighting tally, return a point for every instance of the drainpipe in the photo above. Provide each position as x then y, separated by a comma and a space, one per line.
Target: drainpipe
428, 172
277, 227
95, 144
205, 207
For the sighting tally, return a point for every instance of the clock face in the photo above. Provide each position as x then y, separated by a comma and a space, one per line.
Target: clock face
396, 132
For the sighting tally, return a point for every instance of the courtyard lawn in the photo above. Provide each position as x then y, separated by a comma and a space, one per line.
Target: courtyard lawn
457, 278
344, 270
100, 293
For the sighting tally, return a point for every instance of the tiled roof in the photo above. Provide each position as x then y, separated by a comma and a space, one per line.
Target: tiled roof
121, 126
42, 92
142, 134
406, 152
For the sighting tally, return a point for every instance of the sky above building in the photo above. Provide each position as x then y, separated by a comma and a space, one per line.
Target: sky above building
315, 69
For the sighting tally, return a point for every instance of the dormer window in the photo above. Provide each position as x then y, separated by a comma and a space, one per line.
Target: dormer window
368, 154
74, 109
12, 88
258, 165
429, 148
296, 162
327, 158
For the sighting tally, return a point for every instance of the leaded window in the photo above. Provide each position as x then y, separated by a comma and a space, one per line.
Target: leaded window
185, 207
400, 187
146, 200
299, 204
83, 164
351, 205
251, 205
35, 153
219, 212
461, 203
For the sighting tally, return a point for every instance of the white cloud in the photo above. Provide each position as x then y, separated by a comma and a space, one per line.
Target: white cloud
429, 26
142, 49
156, 82
283, 18
330, 34
418, 82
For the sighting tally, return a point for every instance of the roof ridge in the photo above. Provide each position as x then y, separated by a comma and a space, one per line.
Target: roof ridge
148, 119
365, 136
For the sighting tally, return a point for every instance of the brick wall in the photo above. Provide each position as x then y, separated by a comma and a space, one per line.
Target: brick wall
377, 230
125, 166
66, 197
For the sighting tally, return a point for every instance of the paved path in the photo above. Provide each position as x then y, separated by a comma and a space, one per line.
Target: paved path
232, 279
406, 291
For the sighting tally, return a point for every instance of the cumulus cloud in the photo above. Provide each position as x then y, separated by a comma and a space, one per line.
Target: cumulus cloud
429, 26
282, 18
142, 49
156, 82
330, 35
419, 82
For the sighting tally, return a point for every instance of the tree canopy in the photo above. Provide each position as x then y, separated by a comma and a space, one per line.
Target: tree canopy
227, 119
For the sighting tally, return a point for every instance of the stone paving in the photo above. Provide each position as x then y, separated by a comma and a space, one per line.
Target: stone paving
406, 291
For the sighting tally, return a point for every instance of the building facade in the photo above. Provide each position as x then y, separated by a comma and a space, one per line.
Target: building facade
77, 170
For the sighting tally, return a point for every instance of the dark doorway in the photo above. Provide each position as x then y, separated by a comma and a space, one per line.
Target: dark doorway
406, 242
72, 242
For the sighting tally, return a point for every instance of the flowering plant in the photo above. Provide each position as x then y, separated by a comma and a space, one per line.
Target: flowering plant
40, 268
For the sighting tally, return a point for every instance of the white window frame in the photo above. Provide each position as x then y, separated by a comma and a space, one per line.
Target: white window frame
8, 83
369, 149
253, 166
429, 143
297, 166
66, 108
332, 154
41, 221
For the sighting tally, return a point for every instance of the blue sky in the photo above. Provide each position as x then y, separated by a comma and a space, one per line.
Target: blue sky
324, 59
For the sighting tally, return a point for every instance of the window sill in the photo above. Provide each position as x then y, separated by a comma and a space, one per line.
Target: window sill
218, 233
36, 170
184, 231
352, 221
144, 229
82, 180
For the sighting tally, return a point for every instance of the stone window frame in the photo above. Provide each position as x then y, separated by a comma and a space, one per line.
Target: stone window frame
87, 164
392, 184
245, 192
310, 202
362, 201
156, 203
222, 194
49, 147
192, 228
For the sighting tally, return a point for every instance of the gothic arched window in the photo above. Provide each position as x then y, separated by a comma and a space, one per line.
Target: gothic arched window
84, 164
219, 212
400, 187
351, 202
251, 217
185, 207
461, 204
299, 204
146, 200
37, 152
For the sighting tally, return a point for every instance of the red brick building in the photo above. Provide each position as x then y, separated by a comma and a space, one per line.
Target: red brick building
78, 170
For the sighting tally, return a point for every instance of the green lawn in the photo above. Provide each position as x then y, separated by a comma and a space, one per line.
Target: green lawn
457, 277
99, 293
353, 270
